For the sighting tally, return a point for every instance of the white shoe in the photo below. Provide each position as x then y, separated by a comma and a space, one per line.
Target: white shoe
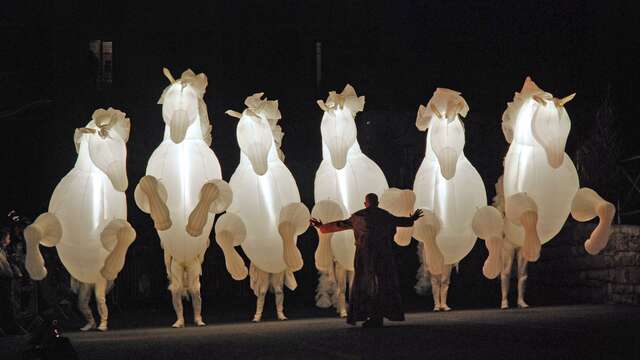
436, 308
103, 326
343, 314
89, 326
199, 322
257, 318
178, 324
522, 304
445, 308
504, 304
281, 316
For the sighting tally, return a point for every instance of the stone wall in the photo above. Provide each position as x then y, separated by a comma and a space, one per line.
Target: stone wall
566, 273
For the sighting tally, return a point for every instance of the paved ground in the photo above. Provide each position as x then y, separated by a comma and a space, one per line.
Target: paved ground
567, 332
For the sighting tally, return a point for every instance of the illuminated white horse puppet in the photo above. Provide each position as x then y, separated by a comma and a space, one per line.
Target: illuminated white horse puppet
343, 179
183, 189
87, 214
452, 194
266, 215
540, 181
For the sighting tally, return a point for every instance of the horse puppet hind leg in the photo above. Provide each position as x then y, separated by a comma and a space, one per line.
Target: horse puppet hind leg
586, 205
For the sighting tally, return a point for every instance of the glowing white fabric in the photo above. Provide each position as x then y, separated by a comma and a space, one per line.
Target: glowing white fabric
540, 181
182, 164
345, 174
447, 184
266, 196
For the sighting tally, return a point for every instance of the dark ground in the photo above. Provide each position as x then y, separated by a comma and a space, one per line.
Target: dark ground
561, 332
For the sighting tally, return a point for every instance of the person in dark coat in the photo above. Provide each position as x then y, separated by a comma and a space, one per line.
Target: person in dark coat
375, 293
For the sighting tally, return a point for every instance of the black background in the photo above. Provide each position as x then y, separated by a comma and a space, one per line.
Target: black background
395, 53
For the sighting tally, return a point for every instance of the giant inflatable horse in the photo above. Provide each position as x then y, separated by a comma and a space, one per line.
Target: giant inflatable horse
87, 218
266, 215
451, 192
343, 179
182, 189
540, 181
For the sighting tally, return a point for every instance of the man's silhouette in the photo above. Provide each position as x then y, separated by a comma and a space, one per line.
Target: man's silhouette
376, 292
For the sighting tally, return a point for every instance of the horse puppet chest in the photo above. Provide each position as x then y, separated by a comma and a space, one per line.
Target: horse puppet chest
348, 187
85, 202
258, 201
454, 201
183, 169
526, 170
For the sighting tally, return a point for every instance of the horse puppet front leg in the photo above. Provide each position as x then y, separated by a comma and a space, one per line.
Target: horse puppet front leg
586, 205
231, 232
46, 230
151, 197
488, 225
215, 197
116, 238
426, 229
293, 221
522, 210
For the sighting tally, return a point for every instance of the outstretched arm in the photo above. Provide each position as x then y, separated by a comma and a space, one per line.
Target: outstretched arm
408, 221
331, 227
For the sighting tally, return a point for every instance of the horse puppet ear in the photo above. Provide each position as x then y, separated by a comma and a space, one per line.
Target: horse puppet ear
168, 75
233, 113
423, 119
121, 124
566, 99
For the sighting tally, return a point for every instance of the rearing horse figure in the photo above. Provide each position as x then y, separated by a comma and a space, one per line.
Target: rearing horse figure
183, 188
266, 215
452, 193
540, 181
343, 179
87, 218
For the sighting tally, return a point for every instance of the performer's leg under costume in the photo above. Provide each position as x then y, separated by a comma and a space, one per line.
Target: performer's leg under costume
505, 274
341, 289
435, 291
259, 305
277, 284
259, 282
84, 295
444, 287
101, 302
440, 288
193, 280
522, 278
176, 287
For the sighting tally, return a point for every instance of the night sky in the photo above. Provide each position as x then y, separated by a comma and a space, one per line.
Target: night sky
394, 52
